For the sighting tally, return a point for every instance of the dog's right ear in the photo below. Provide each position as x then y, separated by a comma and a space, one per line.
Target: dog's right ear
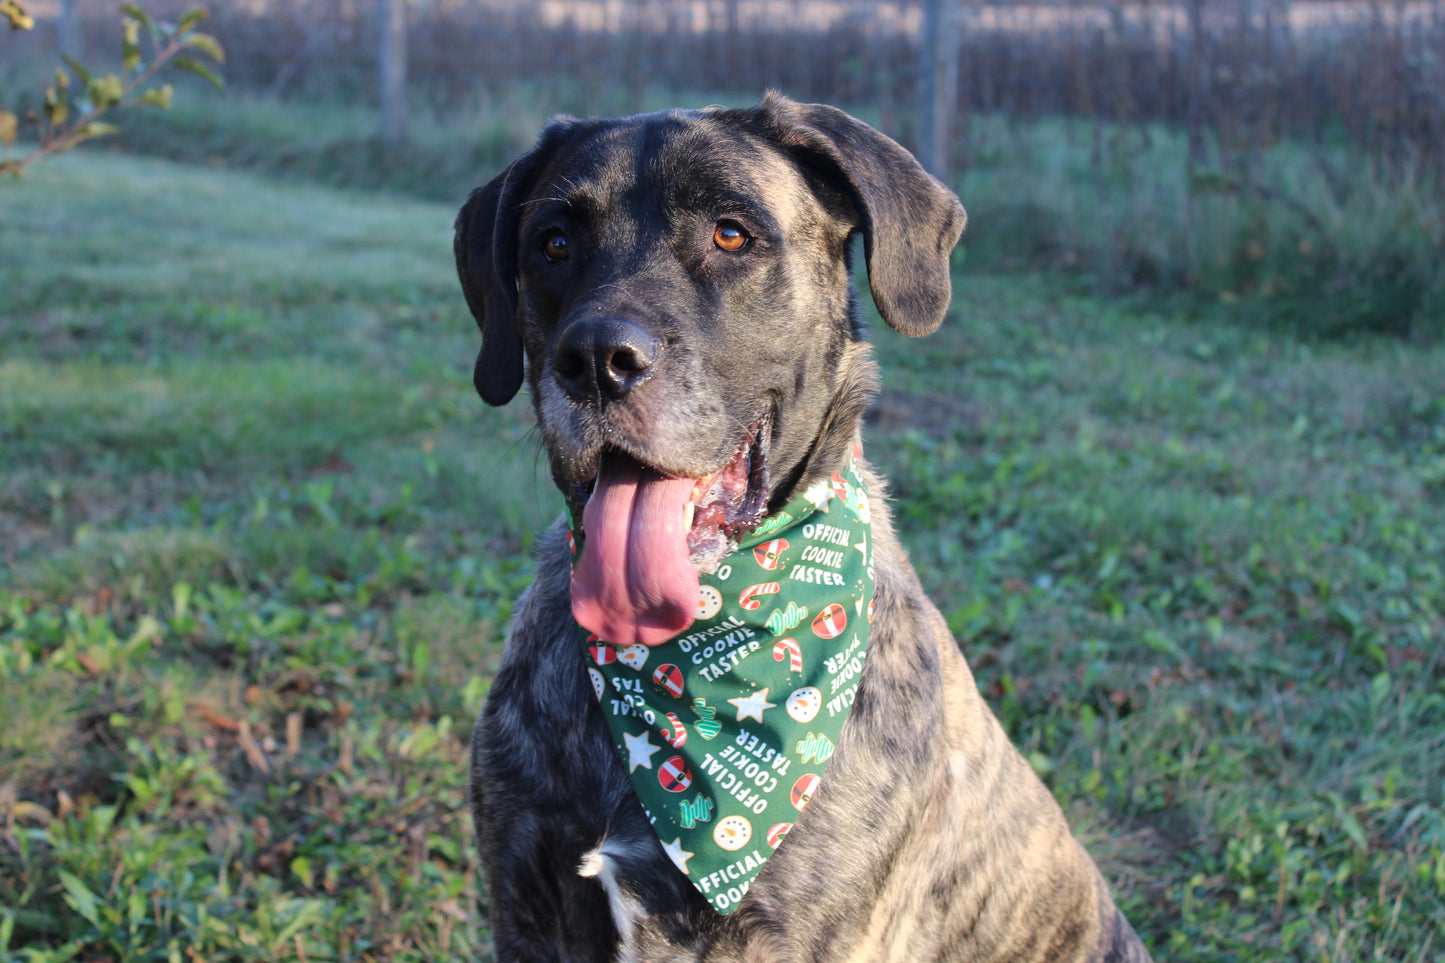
910, 221
485, 245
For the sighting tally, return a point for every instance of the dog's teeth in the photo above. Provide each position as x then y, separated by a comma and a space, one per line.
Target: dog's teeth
701, 489
688, 511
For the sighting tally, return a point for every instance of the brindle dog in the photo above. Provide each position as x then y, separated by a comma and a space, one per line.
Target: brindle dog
675, 288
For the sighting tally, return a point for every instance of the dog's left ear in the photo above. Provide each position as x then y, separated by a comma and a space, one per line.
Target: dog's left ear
910, 222
485, 246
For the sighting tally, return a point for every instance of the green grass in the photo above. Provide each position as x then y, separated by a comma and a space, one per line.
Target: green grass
259, 542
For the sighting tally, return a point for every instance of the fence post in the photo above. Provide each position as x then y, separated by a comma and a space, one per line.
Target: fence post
1198, 74
937, 85
391, 68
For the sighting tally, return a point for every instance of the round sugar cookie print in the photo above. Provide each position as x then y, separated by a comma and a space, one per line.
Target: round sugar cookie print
732, 833
709, 603
803, 704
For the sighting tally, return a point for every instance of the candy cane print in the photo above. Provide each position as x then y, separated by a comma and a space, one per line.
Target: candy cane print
789, 648
677, 735
748, 599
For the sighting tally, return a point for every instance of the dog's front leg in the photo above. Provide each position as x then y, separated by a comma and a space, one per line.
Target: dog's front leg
572, 870
539, 785
541, 910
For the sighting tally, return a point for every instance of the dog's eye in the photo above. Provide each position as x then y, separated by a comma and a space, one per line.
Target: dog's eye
554, 246
729, 236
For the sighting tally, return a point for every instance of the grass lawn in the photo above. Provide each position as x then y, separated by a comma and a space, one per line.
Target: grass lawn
259, 538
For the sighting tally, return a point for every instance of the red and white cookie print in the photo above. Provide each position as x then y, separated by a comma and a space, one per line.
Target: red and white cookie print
830, 623
870, 609
673, 733
790, 650
603, 653
732, 833
803, 790
709, 602
674, 776
769, 554
777, 832
749, 597
668, 678
634, 656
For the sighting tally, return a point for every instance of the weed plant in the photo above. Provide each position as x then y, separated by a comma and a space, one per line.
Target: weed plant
259, 543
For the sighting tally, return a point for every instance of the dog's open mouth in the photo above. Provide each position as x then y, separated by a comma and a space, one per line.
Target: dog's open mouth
647, 535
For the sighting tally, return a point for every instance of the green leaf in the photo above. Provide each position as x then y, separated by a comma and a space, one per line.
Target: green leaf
191, 66
96, 129
1351, 825
208, 43
136, 907
19, 19
310, 910
191, 18
130, 56
80, 898
157, 97
105, 92
78, 67
134, 11
1041, 763
62, 79
57, 109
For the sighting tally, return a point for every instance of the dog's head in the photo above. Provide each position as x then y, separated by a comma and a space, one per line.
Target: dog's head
675, 289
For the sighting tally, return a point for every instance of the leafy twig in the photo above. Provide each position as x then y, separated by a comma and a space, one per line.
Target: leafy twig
170, 43
13, 12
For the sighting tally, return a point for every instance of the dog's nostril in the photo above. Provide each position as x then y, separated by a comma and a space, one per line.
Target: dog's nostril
628, 361
604, 356
568, 364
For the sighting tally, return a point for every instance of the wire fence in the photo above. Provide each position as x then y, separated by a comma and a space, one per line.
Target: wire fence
1239, 74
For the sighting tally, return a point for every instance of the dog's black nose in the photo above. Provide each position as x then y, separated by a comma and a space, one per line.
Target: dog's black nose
604, 356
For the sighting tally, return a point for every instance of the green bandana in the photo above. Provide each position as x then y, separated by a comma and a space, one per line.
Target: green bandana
727, 729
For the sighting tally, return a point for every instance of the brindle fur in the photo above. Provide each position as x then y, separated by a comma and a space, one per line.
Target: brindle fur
931, 838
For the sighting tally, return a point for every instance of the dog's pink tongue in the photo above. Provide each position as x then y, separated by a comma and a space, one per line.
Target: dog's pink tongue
634, 582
